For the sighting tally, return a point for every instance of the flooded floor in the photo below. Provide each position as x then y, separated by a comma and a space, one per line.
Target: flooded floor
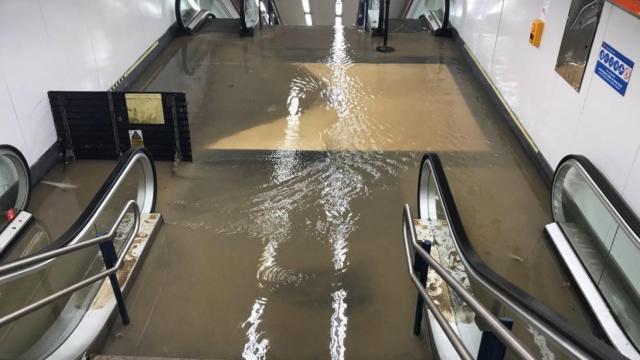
283, 240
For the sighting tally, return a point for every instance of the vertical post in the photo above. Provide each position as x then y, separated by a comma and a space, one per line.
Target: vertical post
110, 258
491, 348
114, 125
380, 29
445, 30
385, 48
366, 14
244, 30
69, 155
422, 268
177, 156
260, 13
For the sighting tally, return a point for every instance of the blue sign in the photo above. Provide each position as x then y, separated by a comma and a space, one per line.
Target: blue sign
614, 68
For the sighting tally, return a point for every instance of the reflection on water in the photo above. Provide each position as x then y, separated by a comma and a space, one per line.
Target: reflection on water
541, 343
255, 348
337, 179
338, 324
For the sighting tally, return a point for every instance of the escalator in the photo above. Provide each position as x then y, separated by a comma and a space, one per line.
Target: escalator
193, 16
15, 191
458, 278
49, 287
196, 15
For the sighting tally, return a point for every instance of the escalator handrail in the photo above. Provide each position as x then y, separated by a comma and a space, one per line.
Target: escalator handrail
608, 194
591, 346
103, 194
619, 209
12, 266
26, 168
191, 26
77, 229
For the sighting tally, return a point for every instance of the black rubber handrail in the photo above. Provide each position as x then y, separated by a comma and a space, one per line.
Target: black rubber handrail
621, 206
17, 152
613, 197
101, 196
590, 345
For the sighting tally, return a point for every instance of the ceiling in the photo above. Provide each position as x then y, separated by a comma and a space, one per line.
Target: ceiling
323, 12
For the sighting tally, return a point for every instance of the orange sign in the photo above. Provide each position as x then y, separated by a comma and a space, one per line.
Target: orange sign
632, 6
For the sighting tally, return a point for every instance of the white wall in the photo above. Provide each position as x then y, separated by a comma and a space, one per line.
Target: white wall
597, 122
66, 45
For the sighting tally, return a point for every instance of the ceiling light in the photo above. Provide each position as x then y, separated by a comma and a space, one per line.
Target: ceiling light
305, 6
338, 8
307, 17
338, 20
194, 5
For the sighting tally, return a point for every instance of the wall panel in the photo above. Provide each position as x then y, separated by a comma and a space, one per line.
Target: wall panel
67, 45
609, 131
10, 133
596, 121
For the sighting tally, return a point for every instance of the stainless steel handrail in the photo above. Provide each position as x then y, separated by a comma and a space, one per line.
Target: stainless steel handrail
504, 334
145, 201
17, 265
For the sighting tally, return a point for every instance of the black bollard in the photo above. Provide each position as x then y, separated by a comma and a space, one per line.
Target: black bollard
385, 48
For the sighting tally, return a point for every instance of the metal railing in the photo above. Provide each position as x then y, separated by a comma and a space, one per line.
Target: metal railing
492, 322
112, 261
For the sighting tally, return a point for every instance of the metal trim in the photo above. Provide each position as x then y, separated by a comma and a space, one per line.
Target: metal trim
13, 229
598, 305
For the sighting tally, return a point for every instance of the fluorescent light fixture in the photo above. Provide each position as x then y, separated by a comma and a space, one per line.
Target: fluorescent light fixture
194, 5
338, 20
305, 6
307, 18
338, 8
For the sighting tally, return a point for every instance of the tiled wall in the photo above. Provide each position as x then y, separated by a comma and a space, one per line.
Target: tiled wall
66, 45
597, 121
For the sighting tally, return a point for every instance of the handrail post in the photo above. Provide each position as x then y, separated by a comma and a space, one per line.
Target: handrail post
421, 267
491, 348
110, 258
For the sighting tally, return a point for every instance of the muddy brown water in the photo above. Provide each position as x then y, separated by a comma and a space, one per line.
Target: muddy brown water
283, 239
